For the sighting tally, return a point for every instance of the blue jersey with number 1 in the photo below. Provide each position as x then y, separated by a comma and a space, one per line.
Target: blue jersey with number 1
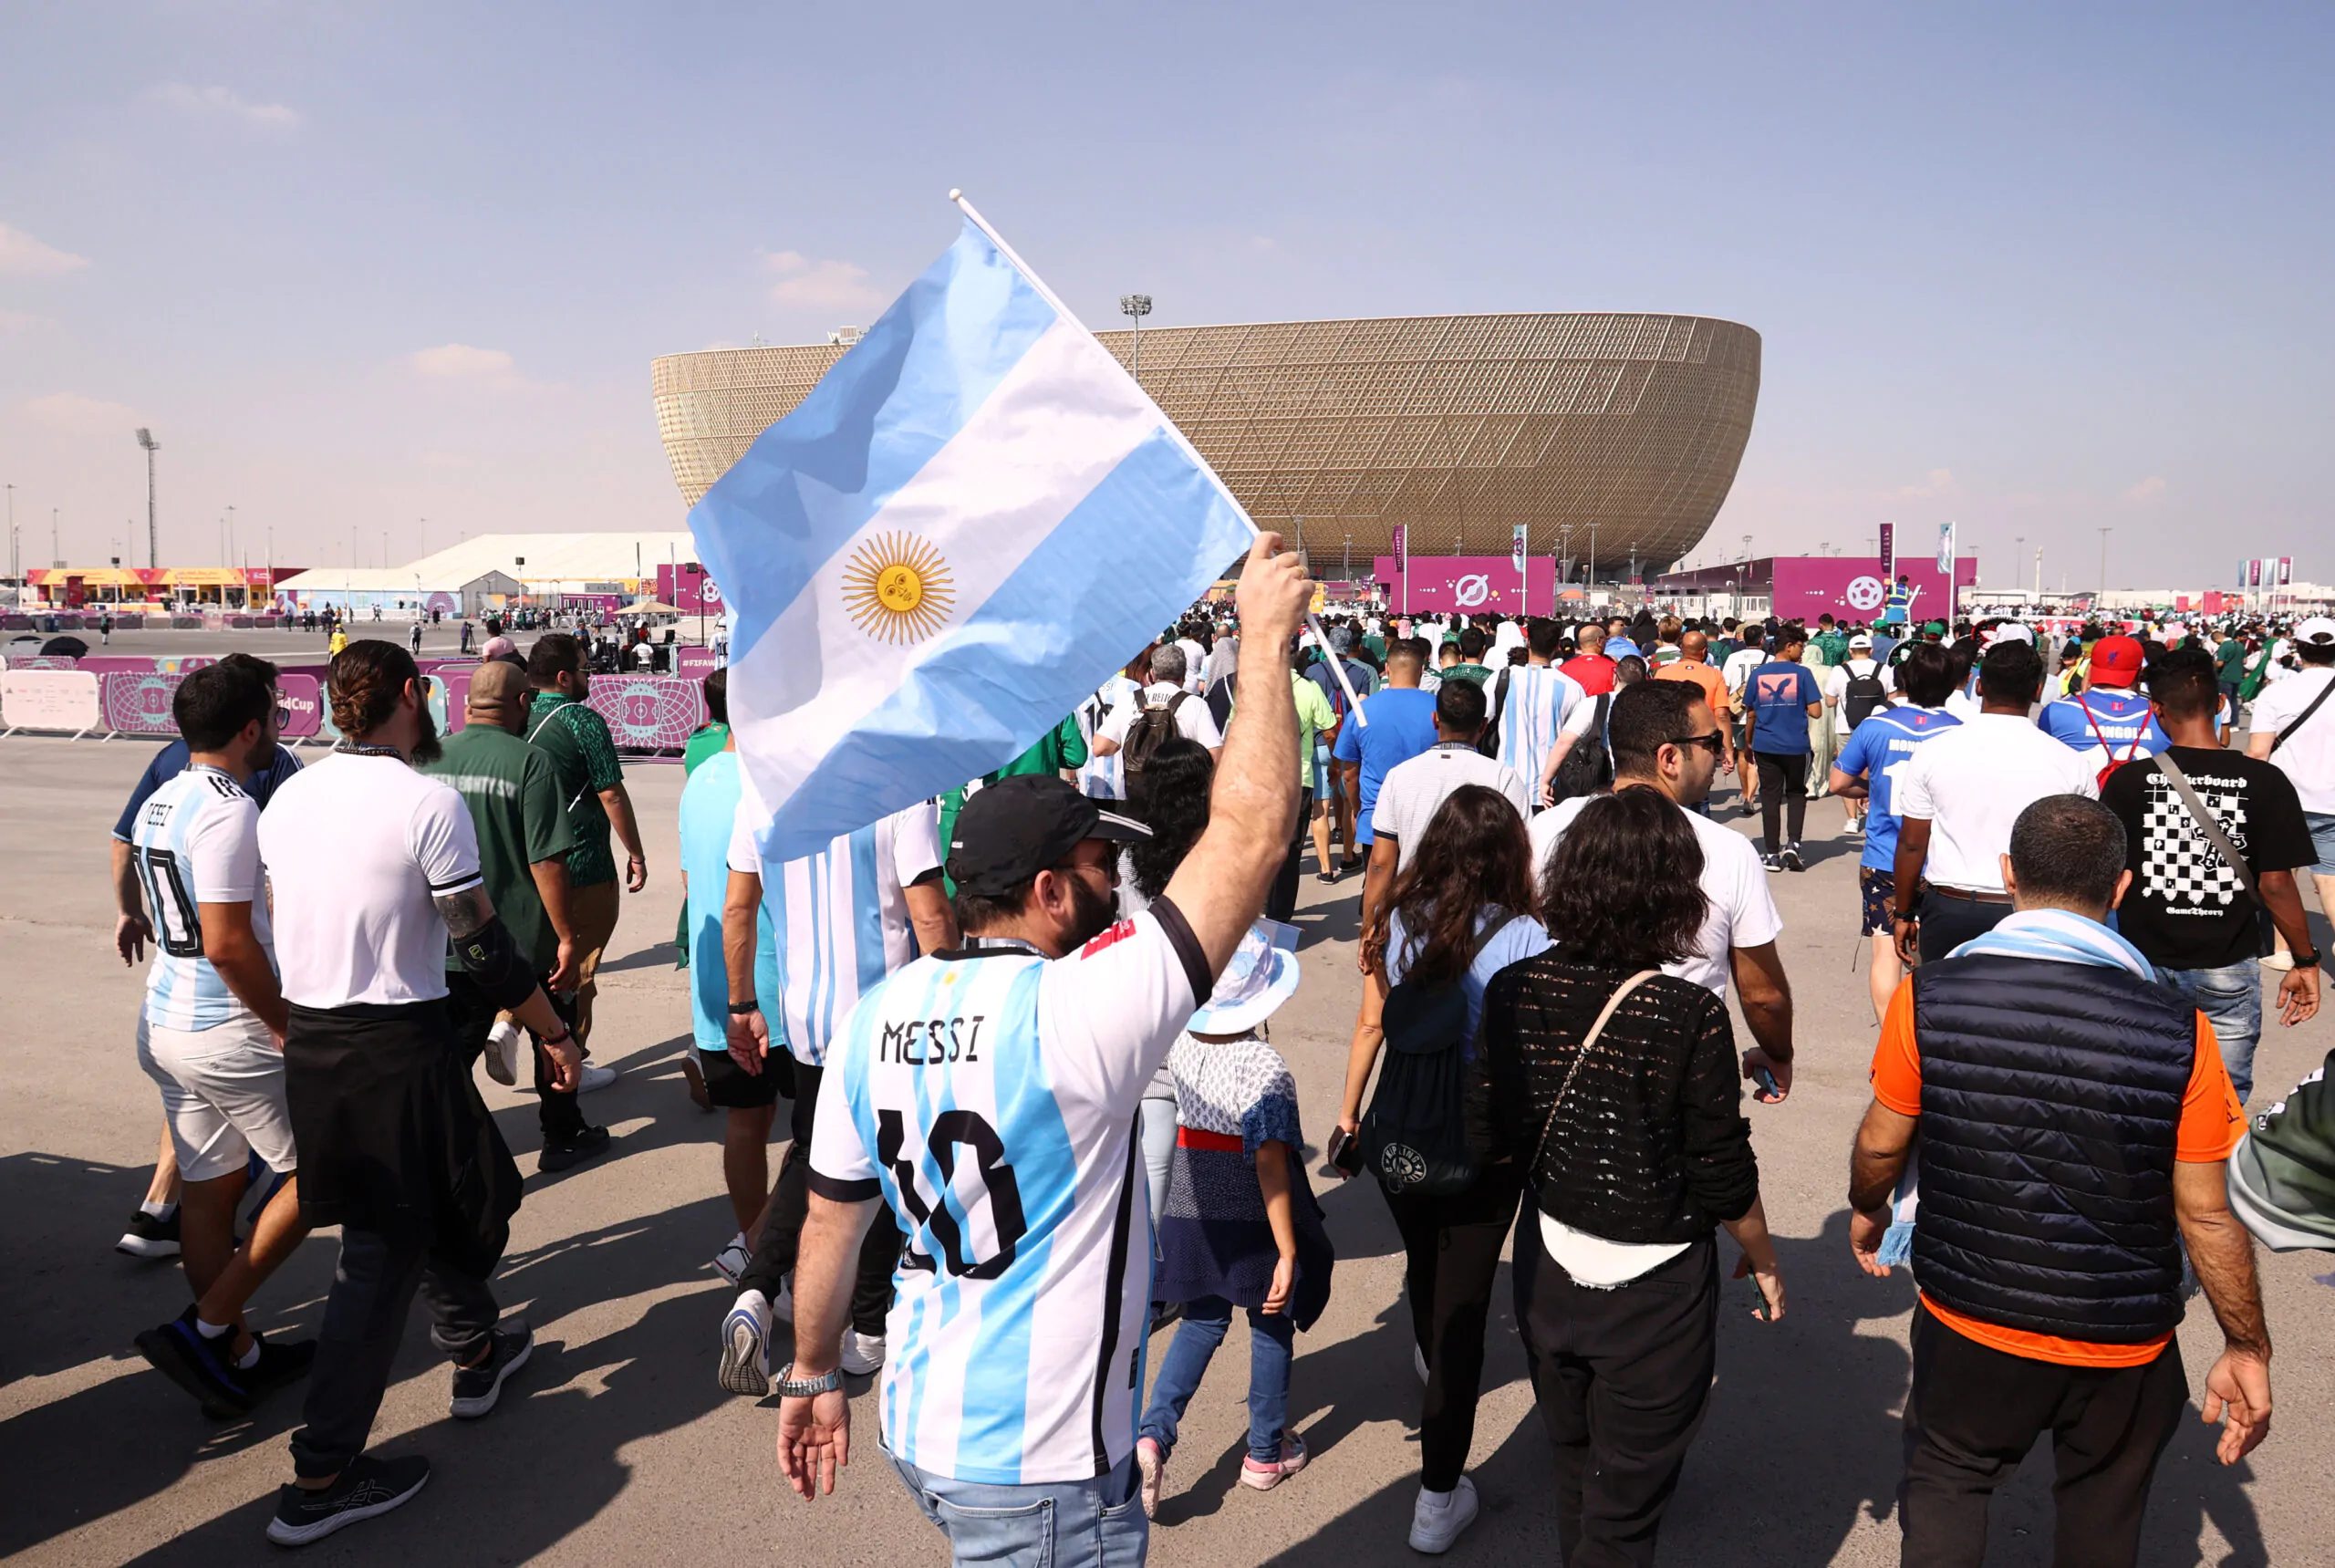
1876, 750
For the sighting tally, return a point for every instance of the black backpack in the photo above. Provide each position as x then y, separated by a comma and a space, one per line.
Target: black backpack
1588, 768
1152, 728
1415, 1136
1864, 694
1487, 743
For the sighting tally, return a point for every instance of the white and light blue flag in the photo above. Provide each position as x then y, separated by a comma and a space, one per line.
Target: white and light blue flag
974, 519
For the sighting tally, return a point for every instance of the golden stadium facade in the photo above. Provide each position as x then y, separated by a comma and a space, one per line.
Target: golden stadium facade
1334, 432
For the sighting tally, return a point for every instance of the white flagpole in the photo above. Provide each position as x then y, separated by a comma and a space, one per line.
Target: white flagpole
1320, 637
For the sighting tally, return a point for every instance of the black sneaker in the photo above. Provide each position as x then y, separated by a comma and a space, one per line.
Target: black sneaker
476, 1388
179, 1352
1772, 862
367, 1488
280, 1361
1792, 858
572, 1152
149, 1236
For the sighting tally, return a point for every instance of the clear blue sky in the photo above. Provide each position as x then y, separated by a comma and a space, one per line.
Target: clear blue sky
2040, 269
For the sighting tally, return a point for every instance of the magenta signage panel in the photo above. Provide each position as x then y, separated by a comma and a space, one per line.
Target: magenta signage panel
688, 588
1848, 588
1473, 584
302, 700
649, 712
136, 704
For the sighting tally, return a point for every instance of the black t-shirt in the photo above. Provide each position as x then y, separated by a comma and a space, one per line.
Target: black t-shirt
2185, 909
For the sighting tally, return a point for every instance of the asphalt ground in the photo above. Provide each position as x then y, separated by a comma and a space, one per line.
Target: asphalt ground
616, 1445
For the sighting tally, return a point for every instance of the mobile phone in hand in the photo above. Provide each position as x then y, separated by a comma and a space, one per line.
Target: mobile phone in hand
1766, 1082
1344, 1151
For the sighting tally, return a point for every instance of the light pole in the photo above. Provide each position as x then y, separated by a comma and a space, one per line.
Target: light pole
1136, 306
231, 534
2018, 549
2104, 532
15, 566
146, 439
1593, 557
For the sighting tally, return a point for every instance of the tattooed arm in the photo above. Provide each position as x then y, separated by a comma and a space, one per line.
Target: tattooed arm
486, 949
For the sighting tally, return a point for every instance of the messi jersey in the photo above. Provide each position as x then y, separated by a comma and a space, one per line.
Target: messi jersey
989, 1098
195, 841
1538, 697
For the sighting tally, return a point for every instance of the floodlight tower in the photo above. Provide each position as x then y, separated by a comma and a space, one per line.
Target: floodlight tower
146, 439
1136, 306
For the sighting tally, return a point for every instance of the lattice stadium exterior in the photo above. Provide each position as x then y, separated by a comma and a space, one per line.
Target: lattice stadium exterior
1334, 432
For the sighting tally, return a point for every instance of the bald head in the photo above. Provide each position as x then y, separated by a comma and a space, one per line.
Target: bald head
1694, 645
497, 690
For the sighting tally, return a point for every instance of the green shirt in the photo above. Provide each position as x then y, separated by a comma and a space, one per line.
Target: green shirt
1476, 674
1314, 714
708, 740
514, 795
2229, 661
1835, 644
1377, 644
584, 760
1060, 747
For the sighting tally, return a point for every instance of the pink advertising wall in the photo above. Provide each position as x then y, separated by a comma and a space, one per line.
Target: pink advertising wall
1848, 587
1476, 584
689, 588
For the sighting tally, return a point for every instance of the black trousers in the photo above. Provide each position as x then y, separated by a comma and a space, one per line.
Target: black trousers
1975, 1411
1623, 1377
1947, 923
473, 1015
790, 1202
1452, 1248
373, 1286
1783, 796
1281, 903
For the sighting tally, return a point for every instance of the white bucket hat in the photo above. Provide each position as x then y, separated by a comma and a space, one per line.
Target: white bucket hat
1261, 974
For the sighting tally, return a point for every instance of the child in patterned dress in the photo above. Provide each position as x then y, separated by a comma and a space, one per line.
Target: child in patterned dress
1240, 1227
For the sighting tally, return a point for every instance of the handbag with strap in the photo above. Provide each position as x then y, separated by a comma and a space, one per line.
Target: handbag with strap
1415, 1135
1588, 1043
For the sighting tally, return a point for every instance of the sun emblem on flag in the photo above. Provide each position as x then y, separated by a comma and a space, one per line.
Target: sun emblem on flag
897, 588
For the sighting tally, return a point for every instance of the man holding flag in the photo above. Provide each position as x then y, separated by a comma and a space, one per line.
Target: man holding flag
927, 563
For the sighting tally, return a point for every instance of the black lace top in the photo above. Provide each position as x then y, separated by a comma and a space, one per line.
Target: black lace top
1650, 1145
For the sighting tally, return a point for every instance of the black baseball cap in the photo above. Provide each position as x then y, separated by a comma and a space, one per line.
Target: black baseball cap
1012, 830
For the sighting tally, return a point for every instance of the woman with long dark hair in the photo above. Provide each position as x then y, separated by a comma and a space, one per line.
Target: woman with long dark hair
1458, 913
1610, 1090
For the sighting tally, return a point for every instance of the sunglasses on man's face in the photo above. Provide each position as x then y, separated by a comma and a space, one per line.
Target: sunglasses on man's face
1711, 743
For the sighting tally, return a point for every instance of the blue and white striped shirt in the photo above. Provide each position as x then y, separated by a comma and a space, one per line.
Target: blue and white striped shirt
196, 841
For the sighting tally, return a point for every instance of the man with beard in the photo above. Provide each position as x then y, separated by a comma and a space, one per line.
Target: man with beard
591, 781
375, 868
987, 1096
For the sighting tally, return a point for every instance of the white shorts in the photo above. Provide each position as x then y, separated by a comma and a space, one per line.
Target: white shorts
223, 1094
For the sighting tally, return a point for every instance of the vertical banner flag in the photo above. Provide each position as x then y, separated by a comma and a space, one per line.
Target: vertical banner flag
973, 520
1888, 553
2286, 571
2254, 573
1516, 554
1403, 562
1945, 551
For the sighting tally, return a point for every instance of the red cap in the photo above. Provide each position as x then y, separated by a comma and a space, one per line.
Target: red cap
2117, 660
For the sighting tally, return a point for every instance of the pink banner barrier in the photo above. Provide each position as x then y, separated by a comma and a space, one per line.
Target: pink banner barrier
649, 712
120, 664
695, 664
135, 704
303, 704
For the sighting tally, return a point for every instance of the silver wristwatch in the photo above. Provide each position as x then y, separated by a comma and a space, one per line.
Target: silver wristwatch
793, 1387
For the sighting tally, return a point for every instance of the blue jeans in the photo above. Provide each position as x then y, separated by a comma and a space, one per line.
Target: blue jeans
1095, 1523
1272, 1339
2231, 999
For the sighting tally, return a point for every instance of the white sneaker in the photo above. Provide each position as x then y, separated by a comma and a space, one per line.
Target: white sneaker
595, 1076
1439, 1517
862, 1353
2281, 961
782, 1307
731, 1260
502, 1053
745, 1347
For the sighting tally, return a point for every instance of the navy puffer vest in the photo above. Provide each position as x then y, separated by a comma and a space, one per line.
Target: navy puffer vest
2050, 1100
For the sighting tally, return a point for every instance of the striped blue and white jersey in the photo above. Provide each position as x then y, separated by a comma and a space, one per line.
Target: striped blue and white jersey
989, 1097
839, 919
196, 841
1538, 697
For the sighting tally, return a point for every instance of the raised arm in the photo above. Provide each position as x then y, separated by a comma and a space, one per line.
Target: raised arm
1253, 811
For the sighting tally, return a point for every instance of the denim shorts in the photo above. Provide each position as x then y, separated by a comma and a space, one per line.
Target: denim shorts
1096, 1523
1321, 770
2322, 839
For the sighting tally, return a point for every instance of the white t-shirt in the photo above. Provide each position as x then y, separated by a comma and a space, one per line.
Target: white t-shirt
1193, 720
1104, 777
1414, 790
356, 856
2310, 758
839, 919
990, 1100
1195, 665
195, 842
1971, 781
1740, 666
1836, 688
1742, 911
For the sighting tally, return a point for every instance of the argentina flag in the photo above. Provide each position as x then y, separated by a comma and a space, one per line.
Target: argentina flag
974, 519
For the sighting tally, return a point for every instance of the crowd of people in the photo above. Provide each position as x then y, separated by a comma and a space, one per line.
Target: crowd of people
1035, 1117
